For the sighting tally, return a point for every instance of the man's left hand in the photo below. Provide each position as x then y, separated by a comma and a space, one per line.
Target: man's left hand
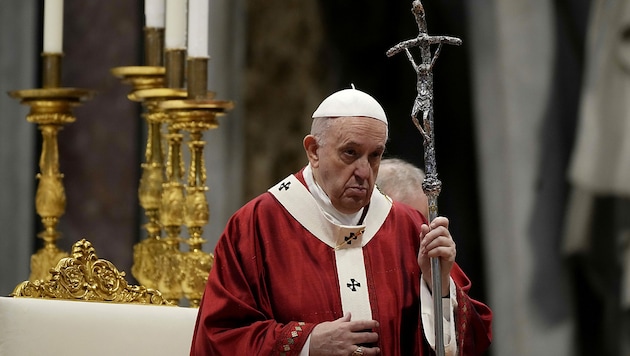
436, 242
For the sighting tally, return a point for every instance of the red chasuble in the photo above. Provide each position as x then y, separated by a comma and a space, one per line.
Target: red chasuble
281, 268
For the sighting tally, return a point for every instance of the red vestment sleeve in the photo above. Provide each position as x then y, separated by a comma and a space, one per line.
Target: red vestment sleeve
235, 316
473, 319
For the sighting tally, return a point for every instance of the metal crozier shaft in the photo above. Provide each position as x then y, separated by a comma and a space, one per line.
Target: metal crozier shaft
422, 117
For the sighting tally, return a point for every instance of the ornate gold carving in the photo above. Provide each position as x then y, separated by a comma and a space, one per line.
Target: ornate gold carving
84, 276
197, 209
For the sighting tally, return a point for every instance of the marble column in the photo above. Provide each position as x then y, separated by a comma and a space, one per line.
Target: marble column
225, 148
18, 59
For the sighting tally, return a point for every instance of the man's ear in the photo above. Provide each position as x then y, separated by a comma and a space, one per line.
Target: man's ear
311, 146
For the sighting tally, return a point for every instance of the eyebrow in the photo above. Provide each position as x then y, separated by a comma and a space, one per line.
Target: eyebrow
354, 143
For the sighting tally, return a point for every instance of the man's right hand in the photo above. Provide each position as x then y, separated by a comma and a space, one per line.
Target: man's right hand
342, 337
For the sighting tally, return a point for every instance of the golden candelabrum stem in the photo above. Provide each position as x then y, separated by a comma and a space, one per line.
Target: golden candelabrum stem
150, 188
197, 263
195, 115
50, 201
172, 217
197, 209
156, 259
155, 263
142, 78
50, 108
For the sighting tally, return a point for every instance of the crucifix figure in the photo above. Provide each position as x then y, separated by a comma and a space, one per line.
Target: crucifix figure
423, 104
424, 70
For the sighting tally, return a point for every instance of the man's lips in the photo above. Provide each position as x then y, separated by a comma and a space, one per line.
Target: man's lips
356, 190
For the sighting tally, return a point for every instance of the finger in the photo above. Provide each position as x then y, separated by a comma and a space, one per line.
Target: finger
424, 229
439, 221
444, 249
346, 317
443, 252
439, 231
365, 351
368, 338
436, 241
363, 325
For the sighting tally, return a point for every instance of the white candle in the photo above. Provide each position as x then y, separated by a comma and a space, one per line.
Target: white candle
53, 26
198, 11
175, 31
154, 13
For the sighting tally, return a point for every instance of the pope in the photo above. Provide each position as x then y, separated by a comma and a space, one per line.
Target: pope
324, 264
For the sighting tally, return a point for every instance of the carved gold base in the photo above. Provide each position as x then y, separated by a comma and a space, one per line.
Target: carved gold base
84, 276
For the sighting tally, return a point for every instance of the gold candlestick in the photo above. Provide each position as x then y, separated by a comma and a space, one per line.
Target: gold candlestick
50, 108
164, 255
150, 188
156, 259
195, 115
148, 88
155, 264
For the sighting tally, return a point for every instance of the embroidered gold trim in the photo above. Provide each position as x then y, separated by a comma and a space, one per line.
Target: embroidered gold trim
291, 340
84, 276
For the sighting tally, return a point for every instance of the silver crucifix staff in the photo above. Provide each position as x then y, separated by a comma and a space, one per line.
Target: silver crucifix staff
424, 105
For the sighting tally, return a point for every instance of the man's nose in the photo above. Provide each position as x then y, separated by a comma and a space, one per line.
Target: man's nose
362, 168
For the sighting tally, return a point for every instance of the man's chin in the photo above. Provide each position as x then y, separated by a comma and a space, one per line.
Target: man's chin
352, 204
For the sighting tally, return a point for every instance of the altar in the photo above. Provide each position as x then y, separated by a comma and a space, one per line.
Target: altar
31, 326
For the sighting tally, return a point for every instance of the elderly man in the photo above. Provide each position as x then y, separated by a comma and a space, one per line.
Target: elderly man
324, 264
402, 181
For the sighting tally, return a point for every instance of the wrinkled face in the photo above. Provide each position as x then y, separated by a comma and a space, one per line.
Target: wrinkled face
345, 165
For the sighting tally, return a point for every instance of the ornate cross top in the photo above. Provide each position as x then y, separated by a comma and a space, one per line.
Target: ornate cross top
424, 70
424, 104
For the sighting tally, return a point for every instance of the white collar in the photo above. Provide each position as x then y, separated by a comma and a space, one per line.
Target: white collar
301, 204
325, 204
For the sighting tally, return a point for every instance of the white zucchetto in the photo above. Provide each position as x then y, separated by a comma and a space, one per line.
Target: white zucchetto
350, 102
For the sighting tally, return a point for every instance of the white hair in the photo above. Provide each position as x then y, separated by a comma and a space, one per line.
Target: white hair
320, 126
399, 179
